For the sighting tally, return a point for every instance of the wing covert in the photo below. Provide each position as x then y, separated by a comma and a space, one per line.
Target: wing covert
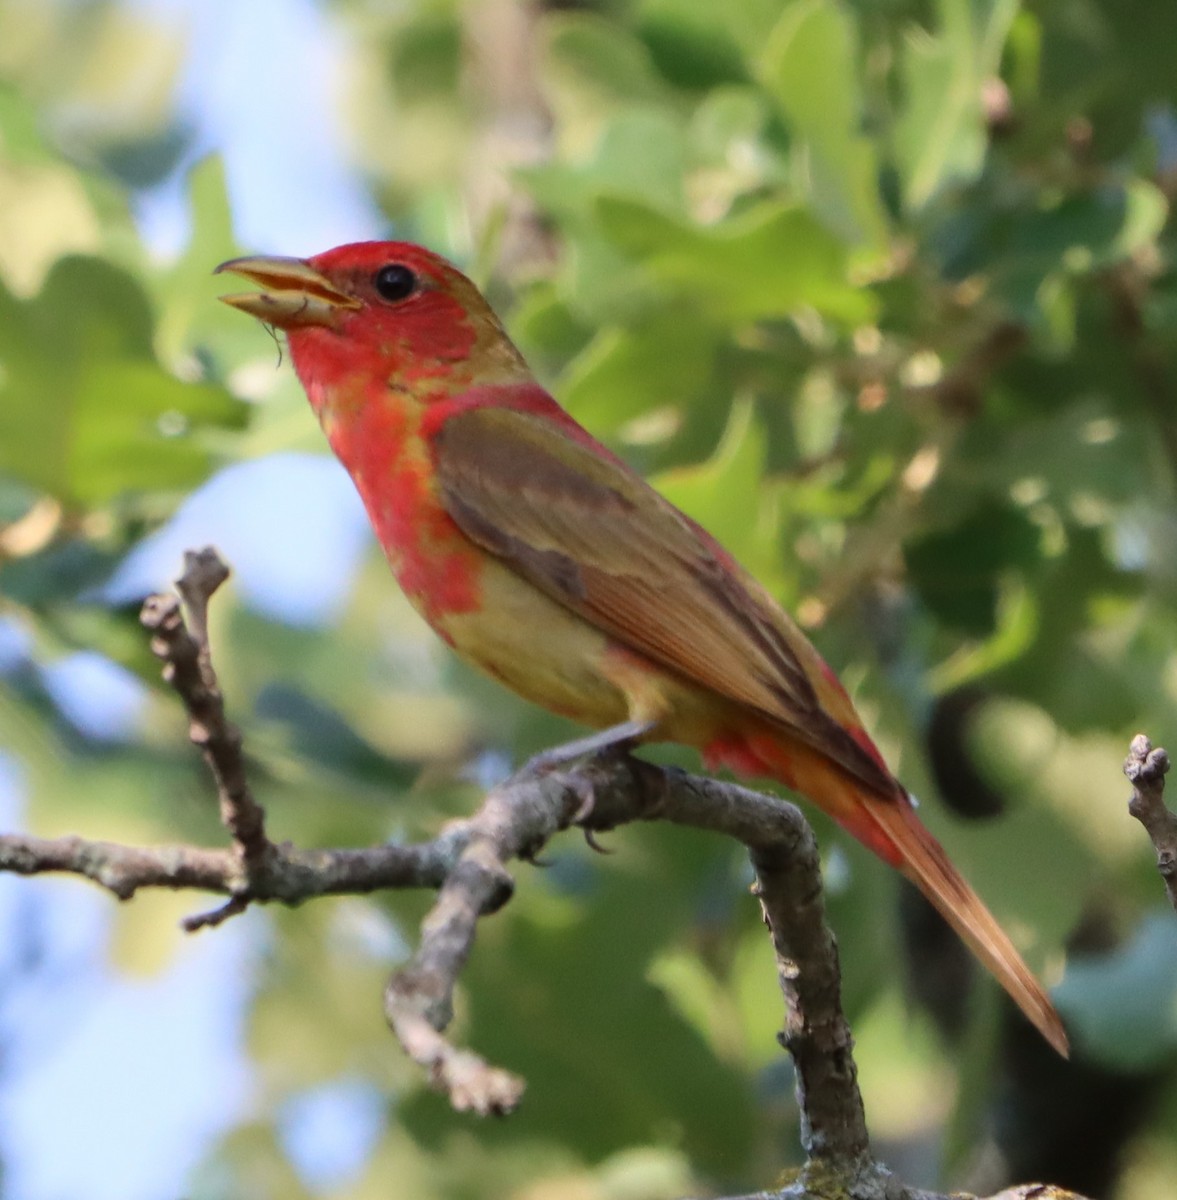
592, 534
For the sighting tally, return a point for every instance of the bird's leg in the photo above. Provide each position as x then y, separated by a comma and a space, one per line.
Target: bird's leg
618, 738
622, 738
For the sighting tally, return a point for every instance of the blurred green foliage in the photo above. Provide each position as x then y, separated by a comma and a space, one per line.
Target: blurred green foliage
882, 294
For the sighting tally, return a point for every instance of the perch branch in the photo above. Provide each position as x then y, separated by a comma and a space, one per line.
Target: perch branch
520, 815
1146, 769
468, 864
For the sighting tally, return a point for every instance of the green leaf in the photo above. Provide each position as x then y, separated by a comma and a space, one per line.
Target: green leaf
317, 733
665, 360
187, 291
727, 496
593, 66
728, 133
811, 66
641, 154
940, 136
692, 45
133, 431
426, 58
765, 262
745, 24
86, 414
24, 142
956, 570
1146, 211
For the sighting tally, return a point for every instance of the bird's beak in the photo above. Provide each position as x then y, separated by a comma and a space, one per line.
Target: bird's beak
293, 296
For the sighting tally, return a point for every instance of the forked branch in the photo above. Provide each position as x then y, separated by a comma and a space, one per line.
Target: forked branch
468, 864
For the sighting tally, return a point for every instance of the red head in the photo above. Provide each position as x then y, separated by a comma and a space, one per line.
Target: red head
390, 312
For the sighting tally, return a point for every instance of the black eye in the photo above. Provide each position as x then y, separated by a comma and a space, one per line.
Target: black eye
395, 282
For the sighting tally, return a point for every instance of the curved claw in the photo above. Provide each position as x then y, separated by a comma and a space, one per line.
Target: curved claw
590, 838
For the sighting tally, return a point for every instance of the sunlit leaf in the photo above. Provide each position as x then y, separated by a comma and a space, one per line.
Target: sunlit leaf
811, 67
941, 134
86, 413
763, 263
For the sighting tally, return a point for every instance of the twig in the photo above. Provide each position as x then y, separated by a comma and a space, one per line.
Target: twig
288, 876
513, 822
893, 1190
833, 1123
1146, 769
183, 648
788, 874
522, 813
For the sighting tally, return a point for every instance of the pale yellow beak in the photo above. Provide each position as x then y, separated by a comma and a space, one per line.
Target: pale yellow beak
294, 294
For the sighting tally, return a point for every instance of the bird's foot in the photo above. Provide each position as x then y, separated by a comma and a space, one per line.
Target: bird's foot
585, 793
619, 739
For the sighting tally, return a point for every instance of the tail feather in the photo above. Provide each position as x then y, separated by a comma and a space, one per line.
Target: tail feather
888, 825
925, 863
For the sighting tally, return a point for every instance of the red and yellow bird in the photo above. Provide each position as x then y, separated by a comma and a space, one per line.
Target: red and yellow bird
543, 559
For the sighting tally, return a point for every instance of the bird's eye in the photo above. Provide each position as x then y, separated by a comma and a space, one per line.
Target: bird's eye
395, 282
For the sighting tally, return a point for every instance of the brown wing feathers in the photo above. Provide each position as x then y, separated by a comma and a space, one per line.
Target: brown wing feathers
594, 536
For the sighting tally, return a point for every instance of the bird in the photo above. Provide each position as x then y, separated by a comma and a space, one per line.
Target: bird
542, 558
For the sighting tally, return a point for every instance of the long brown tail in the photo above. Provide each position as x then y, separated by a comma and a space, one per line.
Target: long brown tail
888, 825
926, 864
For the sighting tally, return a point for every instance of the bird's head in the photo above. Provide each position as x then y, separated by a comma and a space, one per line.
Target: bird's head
391, 310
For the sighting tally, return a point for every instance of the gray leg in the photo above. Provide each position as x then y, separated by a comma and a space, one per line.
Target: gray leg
621, 737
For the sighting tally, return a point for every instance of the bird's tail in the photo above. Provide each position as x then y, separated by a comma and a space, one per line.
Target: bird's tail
888, 825
924, 862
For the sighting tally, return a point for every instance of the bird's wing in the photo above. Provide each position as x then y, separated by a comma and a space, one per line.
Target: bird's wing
592, 534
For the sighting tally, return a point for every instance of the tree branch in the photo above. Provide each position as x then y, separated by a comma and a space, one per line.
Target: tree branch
184, 650
1146, 769
288, 875
467, 862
